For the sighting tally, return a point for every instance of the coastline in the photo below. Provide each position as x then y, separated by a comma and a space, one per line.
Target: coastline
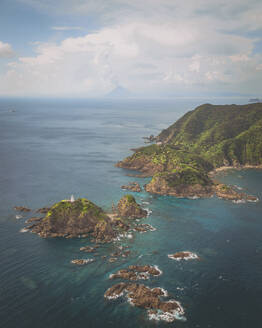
239, 167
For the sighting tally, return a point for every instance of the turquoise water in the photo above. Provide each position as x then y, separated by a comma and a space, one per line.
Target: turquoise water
52, 149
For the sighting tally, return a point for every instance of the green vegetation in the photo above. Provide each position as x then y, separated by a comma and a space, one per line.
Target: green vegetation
77, 209
130, 198
208, 137
220, 134
184, 176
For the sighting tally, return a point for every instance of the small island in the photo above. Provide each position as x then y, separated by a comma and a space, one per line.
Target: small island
82, 218
187, 154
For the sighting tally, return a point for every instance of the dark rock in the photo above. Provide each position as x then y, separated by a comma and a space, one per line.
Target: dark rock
43, 210
132, 186
136, 272
34, 219
82, 261
87, 249
128, 207
22, 209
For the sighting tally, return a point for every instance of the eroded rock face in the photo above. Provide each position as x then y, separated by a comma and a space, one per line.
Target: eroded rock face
136, 272
128, 208
132, 186
150, 299
173, 185
73, 219
43, 210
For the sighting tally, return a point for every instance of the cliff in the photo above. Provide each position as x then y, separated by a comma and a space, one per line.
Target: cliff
127, 207
204, 139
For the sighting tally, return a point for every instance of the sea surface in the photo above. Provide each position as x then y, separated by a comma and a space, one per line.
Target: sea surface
50, 149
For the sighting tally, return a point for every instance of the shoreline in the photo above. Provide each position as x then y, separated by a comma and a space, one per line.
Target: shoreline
241, 167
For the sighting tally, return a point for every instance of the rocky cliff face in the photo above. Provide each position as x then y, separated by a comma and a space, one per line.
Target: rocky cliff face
165, 184
72, 219
203, 139
127, 207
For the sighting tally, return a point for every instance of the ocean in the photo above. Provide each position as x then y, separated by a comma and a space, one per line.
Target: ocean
50, 149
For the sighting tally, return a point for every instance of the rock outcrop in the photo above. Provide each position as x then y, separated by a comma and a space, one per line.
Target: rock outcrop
136, 272
229, 193
74, 219
185, 255
22, 209
147, 298
127, 207
181, 183
82, 261
132, 186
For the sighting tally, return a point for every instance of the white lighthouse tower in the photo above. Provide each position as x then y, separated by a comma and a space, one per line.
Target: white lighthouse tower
72, 199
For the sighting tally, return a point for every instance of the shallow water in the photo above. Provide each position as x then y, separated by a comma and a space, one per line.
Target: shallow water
52, 149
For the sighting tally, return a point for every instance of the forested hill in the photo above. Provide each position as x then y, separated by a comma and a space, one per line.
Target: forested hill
222, 134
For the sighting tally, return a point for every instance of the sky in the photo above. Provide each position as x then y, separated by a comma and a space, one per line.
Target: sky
150, 48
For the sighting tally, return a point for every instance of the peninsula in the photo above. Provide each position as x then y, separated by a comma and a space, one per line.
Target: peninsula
208, 138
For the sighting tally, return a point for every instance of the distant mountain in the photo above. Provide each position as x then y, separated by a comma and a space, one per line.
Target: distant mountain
119, 92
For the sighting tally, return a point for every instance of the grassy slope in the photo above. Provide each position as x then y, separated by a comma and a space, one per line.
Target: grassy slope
208, 137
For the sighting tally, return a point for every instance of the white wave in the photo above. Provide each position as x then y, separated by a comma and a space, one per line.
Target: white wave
239, 188
239, 201
253, 200
18, 217
148, 211
157, 268
177, 314
114, 297
24, 230
194, 197
165, 292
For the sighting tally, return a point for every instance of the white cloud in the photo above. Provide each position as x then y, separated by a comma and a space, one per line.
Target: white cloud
155, 46
6, 50
66, 28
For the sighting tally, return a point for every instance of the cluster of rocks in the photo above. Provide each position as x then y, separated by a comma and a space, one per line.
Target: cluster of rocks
132, 186
229, 193
82, 261
22, 209
147, 298
82, 218
136, 272
185, 255
144, 227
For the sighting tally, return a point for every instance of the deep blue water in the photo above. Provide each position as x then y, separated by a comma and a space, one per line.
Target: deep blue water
52, 149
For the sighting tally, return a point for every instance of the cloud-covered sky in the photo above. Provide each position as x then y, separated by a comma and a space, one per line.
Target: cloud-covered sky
87, 48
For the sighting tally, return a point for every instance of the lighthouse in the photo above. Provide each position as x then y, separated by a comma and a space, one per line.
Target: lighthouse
72, 199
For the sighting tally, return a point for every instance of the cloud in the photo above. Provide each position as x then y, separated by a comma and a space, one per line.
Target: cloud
6, 50
66, 28
150, 47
